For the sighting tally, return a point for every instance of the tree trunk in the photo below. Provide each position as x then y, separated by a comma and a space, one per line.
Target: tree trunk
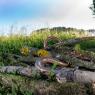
73, 41
20, 70
73, 61
68, 74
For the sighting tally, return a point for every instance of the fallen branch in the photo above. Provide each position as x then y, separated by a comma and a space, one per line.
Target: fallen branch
54, 61
50, 38
28, 60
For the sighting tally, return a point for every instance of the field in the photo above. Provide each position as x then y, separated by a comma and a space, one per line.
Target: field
13, 43
16, 85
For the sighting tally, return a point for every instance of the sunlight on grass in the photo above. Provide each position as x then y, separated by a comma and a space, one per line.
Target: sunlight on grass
13, 43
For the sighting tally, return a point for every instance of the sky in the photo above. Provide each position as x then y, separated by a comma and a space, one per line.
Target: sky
35, 14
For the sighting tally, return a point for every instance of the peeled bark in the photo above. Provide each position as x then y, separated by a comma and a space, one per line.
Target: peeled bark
40, 65
54, 61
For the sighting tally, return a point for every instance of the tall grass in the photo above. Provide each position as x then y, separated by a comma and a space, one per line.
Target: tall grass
13, 43
89, 44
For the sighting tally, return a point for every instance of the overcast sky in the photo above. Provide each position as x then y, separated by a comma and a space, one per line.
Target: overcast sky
46, 13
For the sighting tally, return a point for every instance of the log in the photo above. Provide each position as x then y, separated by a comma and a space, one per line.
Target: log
28, 60
20, 70
89, 54
71, 42
73, 61
68, 74
63, 75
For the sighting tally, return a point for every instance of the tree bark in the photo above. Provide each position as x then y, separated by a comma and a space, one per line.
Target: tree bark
73, 41
73, 61
20, 70
68, 74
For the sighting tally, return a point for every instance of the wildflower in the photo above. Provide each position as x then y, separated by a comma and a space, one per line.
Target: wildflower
25, 51
43, 53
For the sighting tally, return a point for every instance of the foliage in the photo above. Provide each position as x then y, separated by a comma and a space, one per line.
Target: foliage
94, 5
19, 44
77, 48
89, 44
14, 43
52, 73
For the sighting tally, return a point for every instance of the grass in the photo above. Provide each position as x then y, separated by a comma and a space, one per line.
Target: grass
17, 85
89, 44
13, 43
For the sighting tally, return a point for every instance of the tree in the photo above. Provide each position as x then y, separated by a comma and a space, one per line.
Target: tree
93, 7
94, 3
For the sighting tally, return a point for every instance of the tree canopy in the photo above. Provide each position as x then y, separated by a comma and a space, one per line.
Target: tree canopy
94, 3
93, 7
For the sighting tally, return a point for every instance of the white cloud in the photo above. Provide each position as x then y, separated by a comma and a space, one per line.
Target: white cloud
74, 13
70, 13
